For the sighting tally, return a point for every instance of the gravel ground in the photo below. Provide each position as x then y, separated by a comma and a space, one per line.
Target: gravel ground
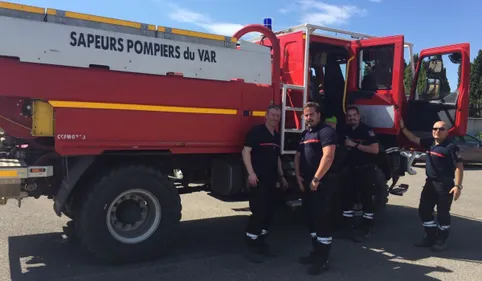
32, 246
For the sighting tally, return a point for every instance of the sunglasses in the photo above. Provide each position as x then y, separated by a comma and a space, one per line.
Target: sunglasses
441, 129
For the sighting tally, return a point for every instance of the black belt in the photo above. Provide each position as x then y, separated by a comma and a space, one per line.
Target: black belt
364, 166
327, 175
440, 180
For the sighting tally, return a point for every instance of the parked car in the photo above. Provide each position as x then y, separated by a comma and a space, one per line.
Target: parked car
470, 149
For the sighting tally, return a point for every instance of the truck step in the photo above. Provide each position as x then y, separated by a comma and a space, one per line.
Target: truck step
299, 109
294, 203
293, 130
12, 172
9, 163
17, 169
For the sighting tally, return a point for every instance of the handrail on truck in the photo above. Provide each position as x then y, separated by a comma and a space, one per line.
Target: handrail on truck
276, 71
310, 29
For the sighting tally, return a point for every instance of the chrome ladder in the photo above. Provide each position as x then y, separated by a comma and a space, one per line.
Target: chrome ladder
284, 109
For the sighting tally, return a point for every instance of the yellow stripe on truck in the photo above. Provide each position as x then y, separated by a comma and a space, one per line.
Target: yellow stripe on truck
79, 16
140, 107
22, 8
8, 174
258, 113
106, 20
197, 34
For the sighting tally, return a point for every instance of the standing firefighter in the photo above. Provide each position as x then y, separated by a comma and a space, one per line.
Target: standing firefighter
444, 171
313, 162
261, 156
362, 158
339, 166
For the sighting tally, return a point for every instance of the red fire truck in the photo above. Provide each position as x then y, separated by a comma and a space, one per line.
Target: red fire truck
98, 112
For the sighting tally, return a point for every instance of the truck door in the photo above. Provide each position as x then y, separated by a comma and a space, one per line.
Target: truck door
440, 90
376, 81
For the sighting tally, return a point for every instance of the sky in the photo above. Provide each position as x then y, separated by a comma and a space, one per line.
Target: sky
425, 23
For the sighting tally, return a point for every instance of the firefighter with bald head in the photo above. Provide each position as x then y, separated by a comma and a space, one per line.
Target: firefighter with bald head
443, 184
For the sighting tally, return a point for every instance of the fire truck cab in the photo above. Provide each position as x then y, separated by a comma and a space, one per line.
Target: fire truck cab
368, 72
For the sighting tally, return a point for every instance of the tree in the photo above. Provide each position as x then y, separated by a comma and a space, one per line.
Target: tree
476, 86
458, 75
407, 79
444, 82
422, 78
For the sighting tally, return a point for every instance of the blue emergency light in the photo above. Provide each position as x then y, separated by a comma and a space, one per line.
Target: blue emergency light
268, 23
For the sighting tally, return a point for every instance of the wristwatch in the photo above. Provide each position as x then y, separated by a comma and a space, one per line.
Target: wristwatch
459, 186
315, 179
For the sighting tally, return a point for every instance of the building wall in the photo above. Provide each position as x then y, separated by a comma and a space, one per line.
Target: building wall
474, 126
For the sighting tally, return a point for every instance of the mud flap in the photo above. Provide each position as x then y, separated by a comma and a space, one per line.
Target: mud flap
66, 187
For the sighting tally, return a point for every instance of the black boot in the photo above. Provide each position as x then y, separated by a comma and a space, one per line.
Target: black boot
346, 231
320, 262
253, 250
428, 239
310, 258
441, 243
264, 249
363, 231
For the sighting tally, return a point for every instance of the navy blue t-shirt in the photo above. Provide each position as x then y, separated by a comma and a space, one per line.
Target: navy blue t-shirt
265, 150
440, 159
364, 135
311, 148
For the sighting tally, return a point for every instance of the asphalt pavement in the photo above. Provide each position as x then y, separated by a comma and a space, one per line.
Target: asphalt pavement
210, 244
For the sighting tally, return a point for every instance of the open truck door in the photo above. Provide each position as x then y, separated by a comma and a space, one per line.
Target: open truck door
375, 83
440, 90
375, 87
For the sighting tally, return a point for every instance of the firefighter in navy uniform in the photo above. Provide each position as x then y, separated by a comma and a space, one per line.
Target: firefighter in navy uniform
443, 184
261, 157
362, 158
334, 173
340, 165
318, 181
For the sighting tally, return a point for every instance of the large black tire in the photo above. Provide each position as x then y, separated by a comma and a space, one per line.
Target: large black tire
94, 220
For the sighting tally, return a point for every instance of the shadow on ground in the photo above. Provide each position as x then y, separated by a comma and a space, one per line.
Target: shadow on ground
211, 250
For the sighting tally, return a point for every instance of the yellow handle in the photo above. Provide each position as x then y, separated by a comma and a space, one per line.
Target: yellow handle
346, 82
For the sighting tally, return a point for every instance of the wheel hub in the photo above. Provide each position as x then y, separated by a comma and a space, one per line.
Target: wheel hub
133, 216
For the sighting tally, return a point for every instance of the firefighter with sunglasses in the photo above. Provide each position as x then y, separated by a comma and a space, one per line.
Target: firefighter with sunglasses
443, 184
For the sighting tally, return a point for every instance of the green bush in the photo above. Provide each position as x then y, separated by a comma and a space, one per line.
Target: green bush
479, 135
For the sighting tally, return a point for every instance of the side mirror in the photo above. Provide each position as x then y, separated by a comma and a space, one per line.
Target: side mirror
455, 58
